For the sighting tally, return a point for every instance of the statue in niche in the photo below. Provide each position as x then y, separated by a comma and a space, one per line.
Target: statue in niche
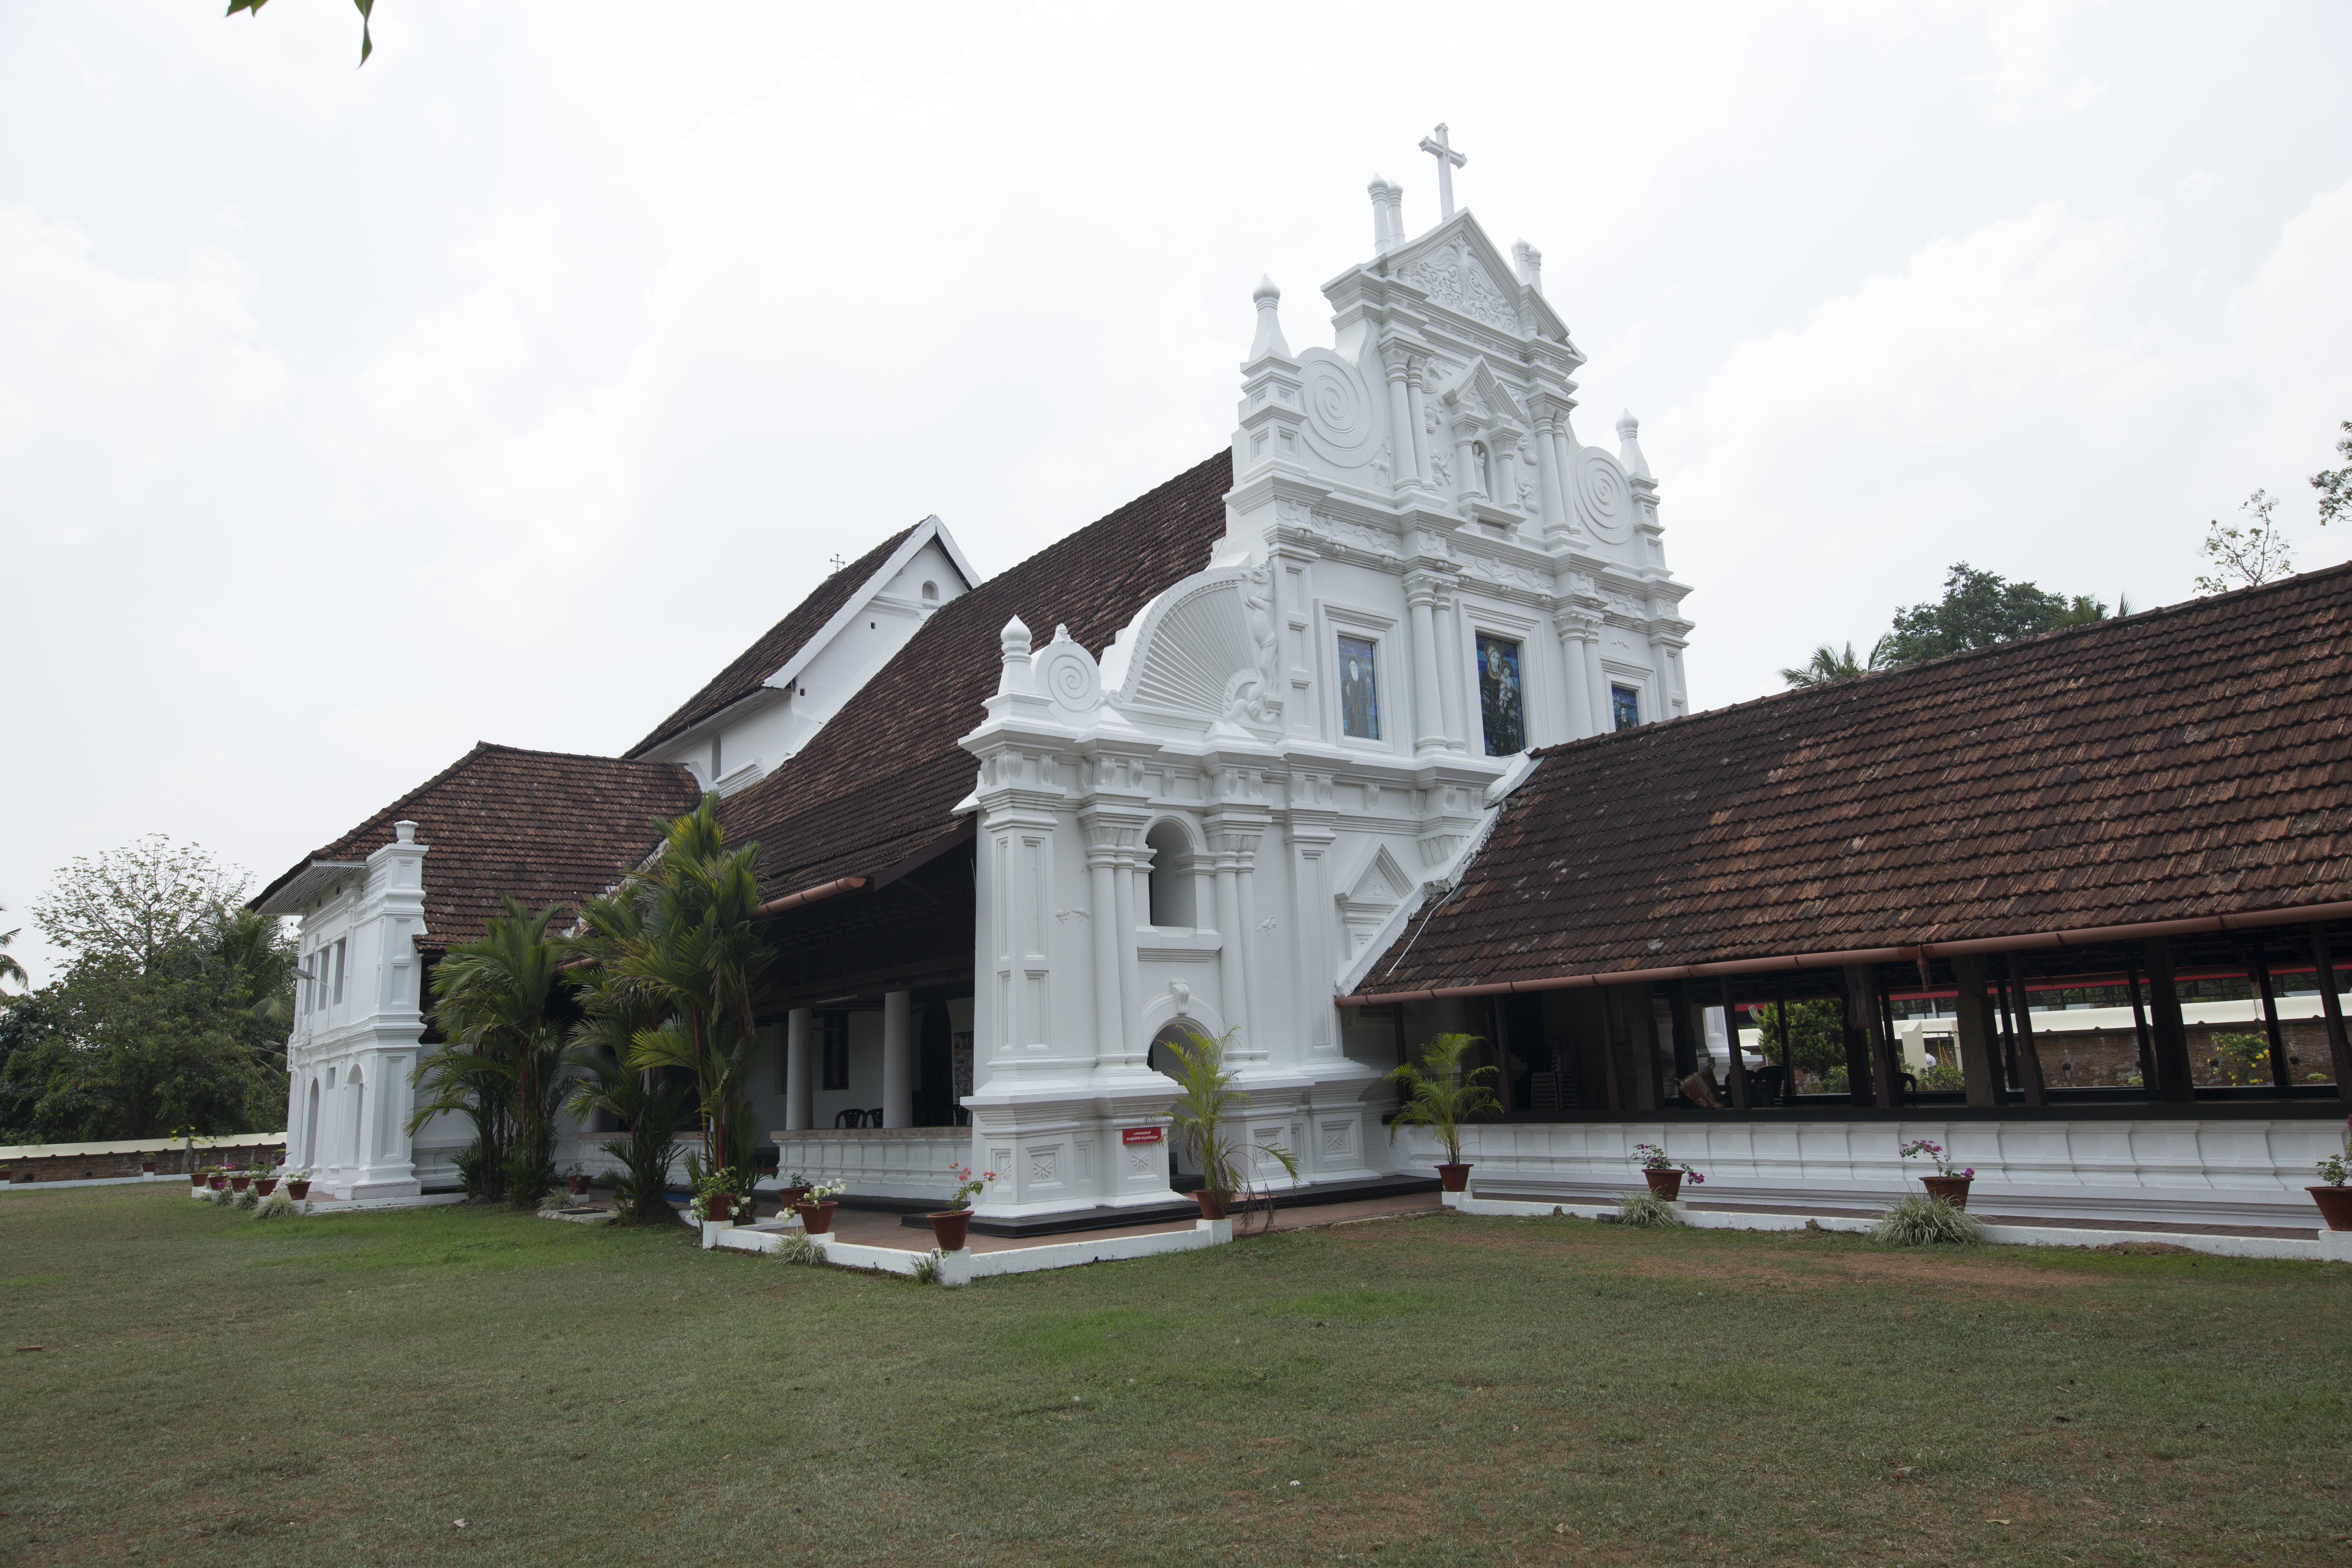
1254, 698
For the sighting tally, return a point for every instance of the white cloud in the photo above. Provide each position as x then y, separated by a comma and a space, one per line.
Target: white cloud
2031, 77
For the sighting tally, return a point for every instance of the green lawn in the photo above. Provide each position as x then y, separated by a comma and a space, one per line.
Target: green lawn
212, 1390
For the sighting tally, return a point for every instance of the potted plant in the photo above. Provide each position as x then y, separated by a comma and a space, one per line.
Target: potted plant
1206, 1099
1440, 1095
1665, 1177
723, 1197
576, 1180
790, 1193
951, 1227
816, 1205
147, 1165
218, 1179
2334, 1199
1947, 1185
238, 1179
265, 1186
297, 1185
199, 1177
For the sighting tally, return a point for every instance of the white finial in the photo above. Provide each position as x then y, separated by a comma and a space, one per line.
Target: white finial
1448, 160
1014, 638
1387, 215
404, 832
1269, 322
1013, 677
1530, 264
1629, 445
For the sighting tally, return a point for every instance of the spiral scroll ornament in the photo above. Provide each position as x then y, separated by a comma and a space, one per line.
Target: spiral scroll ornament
1067, 674
1602, 497
1343, 419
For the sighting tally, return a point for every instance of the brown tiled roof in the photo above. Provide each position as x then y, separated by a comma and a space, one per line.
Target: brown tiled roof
2180, 763
877, 783
547, 826
775, 648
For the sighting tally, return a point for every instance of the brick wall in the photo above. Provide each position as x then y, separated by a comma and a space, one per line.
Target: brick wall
168, 1161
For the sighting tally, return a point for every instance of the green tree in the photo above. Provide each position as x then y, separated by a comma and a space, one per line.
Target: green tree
2334, 485
615, 1008
170, 1013
2249, 555
699, 953
1830, 665
497, 1002
1816, 1038
1440, 1095
1980, 609
9, 968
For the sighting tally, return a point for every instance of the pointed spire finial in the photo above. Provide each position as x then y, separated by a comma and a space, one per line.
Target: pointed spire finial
1269, 323
1629, 445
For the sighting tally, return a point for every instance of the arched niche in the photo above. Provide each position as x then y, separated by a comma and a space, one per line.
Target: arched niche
1175, 896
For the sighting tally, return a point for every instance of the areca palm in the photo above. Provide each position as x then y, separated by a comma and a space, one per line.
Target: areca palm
699, 952
1830, 665
9, 968
492, 1001
616, 1007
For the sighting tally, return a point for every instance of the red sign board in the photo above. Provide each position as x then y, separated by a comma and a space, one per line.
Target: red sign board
1139, 1135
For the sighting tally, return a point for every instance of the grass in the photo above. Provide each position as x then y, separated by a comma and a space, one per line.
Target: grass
212, 1390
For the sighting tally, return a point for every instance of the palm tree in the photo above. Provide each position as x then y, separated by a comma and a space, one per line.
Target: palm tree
502, 1062
1205, 1102
1440, 1095
699, 953
1830, 665
9, 968
647, 1105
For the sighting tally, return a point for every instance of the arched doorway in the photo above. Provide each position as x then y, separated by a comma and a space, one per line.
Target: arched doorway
1182, 1175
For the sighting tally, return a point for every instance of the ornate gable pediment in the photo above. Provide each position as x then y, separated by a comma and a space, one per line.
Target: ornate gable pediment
1460, 269
1480, 394
1378, 886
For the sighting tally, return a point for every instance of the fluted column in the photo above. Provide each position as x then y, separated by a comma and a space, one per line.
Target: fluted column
1259, 1038
1232, 978
1549, 493
1130, 885
1414, 368
1573, 681
1405, 451
1604, 713
1449, 674
796, 1069
1428, 714
1110, 1003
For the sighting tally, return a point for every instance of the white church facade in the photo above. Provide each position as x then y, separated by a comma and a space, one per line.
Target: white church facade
1211, 821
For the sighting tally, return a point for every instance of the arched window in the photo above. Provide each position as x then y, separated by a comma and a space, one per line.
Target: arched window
930, 593
1175, 1032
1171, 876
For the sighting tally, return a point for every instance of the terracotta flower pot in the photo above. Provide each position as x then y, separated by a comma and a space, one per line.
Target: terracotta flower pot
719, 1209
790, 1197
298, 1191
950, 1228
816, 1218
197, 1178
2335, 1205
1453, 1178
1209, 1207
579, 1185
1952, 1190
220, 1184
240, 1182
266, 1186
147, 1167
1664, 1185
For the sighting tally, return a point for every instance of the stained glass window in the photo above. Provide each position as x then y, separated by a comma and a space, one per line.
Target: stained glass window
1626, 704
1360, 689
1499, 701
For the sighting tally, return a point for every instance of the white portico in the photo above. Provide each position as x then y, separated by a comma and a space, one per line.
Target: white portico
1424, 572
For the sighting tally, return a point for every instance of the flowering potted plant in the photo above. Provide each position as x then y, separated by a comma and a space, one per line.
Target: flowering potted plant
297, 1185
265, 1186
1947, 1185
723, 1197
199, 1177
2334, 1199
952, 1227
790, 1193
1440, 1095
238, 1177
816, 1205
216, 1178
1665, 1177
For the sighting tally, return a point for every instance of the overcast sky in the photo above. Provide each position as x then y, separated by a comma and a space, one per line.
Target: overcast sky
505, 388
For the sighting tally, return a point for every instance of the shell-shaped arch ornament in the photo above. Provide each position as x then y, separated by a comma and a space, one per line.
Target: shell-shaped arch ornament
1343, 418
1203, 650
1603, 498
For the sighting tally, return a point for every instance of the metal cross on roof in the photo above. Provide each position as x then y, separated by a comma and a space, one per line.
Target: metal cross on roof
1448, 160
